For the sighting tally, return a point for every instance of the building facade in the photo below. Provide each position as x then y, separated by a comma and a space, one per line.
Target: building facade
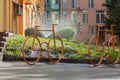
15, 15
52, 11
10, 16
84, 15
1, 15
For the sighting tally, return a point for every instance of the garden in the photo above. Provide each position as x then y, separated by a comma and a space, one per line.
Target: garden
72, 49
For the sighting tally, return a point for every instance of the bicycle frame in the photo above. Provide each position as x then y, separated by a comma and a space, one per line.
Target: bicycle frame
106, 30
52, 40
52, 30
110, 44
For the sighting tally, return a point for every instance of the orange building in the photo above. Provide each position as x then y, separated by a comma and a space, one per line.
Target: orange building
11, 16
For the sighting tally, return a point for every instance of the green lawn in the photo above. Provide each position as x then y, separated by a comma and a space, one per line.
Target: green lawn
71, 48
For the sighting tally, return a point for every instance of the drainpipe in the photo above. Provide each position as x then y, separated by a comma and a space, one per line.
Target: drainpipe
3, 15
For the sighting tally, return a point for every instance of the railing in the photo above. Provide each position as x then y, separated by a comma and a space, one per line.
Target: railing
27, 1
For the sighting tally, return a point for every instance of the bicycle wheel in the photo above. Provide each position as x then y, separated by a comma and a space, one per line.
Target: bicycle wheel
31, 50
44, 46
95, 50
105, 49
113, 50
55, 49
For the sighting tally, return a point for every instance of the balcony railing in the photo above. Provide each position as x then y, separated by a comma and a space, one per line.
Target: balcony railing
27, 1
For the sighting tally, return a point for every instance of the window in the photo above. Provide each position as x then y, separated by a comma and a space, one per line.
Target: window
46, 1
55, 4
108, 1
91, 3
73, 3
56, 1
73, 17
18, 9
85, 17
55, 17
47, 6
91, 30
64, 4
64, 15
99, 17
47, 16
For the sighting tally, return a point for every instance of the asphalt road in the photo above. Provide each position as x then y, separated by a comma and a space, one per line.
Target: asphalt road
60, 71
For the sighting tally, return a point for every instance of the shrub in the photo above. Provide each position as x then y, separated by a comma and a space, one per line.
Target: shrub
30, 31
66, 32
13, 45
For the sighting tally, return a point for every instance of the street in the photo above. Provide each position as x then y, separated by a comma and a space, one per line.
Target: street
60, 71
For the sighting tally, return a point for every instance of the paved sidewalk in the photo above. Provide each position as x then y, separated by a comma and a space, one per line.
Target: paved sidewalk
60, 71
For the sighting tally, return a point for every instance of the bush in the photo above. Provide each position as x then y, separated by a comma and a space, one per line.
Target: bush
13, 45
66, 32
30, 31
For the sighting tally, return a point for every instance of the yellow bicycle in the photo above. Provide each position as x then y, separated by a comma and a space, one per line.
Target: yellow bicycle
33, 49
99, 49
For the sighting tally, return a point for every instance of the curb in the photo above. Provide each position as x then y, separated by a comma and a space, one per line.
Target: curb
83, 61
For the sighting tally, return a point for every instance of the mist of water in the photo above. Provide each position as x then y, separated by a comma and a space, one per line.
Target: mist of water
47, 26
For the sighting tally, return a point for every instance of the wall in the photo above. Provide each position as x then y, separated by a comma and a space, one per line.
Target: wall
82, 36
10, 21
7, 16
1, 15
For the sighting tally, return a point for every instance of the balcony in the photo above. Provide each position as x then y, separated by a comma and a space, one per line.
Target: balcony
27, 1
19, 1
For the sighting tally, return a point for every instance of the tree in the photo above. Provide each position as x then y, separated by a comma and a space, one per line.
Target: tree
113, 15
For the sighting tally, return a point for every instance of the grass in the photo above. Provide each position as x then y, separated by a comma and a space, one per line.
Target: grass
72, 49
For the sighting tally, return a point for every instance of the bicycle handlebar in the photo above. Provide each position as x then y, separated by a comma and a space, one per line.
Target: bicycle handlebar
107, 30
53, 25
37, 26
111, 26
